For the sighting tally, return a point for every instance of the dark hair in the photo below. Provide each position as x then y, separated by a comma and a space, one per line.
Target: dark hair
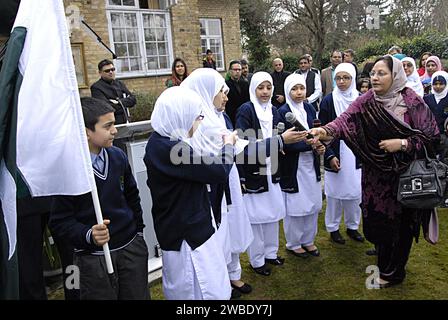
366, 70
244, 62
338, 51
420, 64
361, 81
234, 62
208, 51
173, 66
388, 60
93, 109
103, 63
304, 57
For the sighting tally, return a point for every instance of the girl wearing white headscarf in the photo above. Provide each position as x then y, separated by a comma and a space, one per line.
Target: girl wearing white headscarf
194, 266
260, 177
414, 81
302, 190
342, 170
235, 232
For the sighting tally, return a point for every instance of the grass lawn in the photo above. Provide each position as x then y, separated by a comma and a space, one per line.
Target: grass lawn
340, 272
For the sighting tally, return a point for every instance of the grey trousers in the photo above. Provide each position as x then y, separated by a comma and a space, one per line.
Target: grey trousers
130, 280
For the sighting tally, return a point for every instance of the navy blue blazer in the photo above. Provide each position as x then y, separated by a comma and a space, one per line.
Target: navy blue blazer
326, 115
256, 153
438, 109
290, 160
181, 203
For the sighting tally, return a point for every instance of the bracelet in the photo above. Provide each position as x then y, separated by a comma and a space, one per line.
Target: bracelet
404, 145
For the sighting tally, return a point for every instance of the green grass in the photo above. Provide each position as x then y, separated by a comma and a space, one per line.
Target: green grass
340, 272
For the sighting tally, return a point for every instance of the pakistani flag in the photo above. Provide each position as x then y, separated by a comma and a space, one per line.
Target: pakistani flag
42, 134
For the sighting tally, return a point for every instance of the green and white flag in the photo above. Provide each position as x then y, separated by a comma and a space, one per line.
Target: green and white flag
42, 134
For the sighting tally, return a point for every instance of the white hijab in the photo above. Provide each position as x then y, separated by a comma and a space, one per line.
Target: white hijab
207, 83
414, 81
440, 96
263, 110
343, 99
174, 113
296, 108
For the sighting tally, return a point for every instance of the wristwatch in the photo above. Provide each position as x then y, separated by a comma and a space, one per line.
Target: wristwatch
404, 145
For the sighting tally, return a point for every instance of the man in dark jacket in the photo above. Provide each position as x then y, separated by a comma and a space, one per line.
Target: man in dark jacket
113, 91
239, 90
278, 76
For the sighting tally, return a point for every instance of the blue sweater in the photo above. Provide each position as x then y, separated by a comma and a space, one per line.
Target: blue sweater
326, 115
72, 217
256, 153
290, 160
181, 204
438, 109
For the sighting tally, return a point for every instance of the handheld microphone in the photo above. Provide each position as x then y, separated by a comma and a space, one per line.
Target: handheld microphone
280, 128
291, 118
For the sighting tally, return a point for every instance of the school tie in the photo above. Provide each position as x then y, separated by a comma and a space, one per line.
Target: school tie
98, 164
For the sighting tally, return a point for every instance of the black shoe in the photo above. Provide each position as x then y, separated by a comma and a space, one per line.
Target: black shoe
314, 253
336, 237
245, 288
263, 270
355, 235
235, 294
303, 255
371, 252
276, 262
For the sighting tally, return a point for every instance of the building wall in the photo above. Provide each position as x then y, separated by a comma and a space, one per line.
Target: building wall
185, 34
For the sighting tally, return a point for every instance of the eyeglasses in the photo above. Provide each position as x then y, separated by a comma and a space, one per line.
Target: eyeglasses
109, 70
407, 65
344, 78
379, 74
236, 70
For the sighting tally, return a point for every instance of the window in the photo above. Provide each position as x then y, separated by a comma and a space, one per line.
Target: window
141, 38
211, 38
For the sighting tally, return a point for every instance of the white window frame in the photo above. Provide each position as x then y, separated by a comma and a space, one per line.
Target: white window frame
141, 39
111, 6
220, 37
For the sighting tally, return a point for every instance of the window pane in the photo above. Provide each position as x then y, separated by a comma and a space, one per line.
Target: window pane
118, 35
146, 20
133, 50
134, 64
122, 65
153, 63
214, 28
163, 61
162, 49
132, 34
131, 19
115, 2
203, 31
151, 49
161, 34
150, 35
117, 19
129, 3
121, 50
159, 21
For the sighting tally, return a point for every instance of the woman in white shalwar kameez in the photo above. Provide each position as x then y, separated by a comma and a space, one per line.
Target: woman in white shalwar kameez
234, 232
188, 274
304, 204
342, 174
265, 206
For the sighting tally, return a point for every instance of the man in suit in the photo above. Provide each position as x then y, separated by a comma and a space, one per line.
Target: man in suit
327, 77
239, 90
313, 84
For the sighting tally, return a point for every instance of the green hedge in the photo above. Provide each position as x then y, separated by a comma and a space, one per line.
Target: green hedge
145, 106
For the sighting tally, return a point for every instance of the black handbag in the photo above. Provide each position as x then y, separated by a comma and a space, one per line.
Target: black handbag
423, 184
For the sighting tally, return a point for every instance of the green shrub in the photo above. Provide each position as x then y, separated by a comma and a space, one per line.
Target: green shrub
145, 106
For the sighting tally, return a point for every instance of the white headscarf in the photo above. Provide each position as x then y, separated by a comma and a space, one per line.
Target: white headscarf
175, 112
440, 96
414, 81
263, 110
297, 108
343, 99
207, 83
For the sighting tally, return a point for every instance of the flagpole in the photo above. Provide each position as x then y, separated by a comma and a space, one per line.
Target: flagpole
99, 219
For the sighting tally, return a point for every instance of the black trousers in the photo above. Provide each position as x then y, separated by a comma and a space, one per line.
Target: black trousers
392, 257
130, 281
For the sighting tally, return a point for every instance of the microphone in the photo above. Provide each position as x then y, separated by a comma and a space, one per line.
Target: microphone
280, 128
291, 118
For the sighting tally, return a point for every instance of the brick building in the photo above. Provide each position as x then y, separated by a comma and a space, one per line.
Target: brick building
147, 35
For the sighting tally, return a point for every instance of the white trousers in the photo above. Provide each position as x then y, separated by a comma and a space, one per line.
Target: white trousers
265, 244
234, 267
333, 213
300, 231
